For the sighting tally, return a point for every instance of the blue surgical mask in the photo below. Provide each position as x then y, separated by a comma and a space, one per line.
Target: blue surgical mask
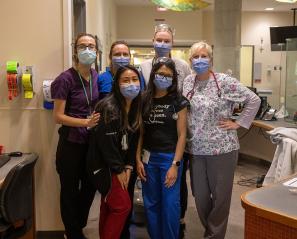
87, 57
162, 49
129, 91
162, 82
120, 61
200, 65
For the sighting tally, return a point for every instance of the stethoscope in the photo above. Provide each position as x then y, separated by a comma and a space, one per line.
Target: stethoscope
192, 91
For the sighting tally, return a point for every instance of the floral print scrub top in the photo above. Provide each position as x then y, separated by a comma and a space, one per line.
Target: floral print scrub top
211, 103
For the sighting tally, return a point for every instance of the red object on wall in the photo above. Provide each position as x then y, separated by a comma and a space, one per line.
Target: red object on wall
12, 85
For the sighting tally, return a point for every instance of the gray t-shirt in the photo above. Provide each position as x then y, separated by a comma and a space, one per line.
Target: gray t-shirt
182, 68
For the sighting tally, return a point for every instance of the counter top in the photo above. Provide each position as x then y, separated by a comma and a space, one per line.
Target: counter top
269, 125
273, 202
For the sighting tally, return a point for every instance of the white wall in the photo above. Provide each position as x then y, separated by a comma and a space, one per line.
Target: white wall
255, 25
101, 20
27, 36
136, 24
32, 33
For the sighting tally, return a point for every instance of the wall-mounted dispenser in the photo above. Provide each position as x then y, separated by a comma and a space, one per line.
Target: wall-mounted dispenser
13, 72
48, 102
27, 82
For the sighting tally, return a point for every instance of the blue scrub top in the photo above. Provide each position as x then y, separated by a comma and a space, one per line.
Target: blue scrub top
105, 81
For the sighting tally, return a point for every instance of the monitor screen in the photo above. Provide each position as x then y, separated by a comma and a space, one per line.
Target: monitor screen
278, 36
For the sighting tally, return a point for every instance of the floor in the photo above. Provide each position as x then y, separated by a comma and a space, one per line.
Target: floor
246, 174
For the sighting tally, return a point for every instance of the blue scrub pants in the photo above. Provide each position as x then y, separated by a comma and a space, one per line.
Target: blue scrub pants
162, 205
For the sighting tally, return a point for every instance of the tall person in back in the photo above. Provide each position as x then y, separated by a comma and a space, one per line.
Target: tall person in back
163, 43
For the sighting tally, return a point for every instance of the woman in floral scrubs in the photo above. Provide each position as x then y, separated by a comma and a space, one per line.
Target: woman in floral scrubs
212, 138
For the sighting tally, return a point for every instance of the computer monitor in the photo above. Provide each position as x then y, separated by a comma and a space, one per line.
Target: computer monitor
279, 36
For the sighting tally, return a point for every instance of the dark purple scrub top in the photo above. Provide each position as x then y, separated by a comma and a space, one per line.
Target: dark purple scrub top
67, 86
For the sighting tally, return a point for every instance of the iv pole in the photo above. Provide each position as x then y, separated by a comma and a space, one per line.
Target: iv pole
294, 15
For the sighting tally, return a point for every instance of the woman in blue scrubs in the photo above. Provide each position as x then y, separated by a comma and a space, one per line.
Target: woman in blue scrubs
162, 142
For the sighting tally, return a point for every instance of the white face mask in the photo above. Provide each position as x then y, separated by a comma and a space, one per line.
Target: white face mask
86, 57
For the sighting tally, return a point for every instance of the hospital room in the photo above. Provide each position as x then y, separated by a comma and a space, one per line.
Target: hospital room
148, 119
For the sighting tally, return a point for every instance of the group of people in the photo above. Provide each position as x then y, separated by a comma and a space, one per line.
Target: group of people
153, 122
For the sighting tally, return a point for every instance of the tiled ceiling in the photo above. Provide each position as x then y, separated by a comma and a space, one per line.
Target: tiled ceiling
247, 5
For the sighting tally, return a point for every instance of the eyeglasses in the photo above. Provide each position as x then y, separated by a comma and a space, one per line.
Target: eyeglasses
84, 47
160, 75
163, 60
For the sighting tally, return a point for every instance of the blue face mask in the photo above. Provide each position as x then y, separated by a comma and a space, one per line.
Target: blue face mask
162, 82
120, 61
200, 65
130, 91
87, 57
162, 49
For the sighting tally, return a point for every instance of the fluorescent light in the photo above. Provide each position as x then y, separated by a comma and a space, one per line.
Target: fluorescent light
269, 9
287, 1
161, 9
181, 5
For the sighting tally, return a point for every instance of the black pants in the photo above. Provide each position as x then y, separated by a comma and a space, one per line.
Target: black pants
126, 233
77, 193
184, 187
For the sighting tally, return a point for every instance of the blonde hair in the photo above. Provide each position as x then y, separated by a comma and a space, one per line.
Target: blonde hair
164, 27
199, 45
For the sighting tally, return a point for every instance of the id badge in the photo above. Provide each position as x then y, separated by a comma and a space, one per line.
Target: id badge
124, 142
145, 156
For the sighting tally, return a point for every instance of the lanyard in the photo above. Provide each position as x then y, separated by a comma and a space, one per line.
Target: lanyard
192, 91
85, 91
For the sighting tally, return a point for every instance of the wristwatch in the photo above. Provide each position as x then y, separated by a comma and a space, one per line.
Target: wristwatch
176, 163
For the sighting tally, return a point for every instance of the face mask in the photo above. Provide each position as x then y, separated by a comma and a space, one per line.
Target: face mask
162, 82
200, 65
87, 57
162, 49
120, 61
129, 91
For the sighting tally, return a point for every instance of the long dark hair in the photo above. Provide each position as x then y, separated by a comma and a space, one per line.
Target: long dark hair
151, 88
112, 107
74, 56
